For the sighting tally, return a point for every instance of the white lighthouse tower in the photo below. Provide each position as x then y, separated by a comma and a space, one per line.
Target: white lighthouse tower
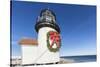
49, 41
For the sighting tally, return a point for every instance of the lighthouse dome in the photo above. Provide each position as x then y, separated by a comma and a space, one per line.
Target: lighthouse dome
47, 18
47, 15
47, 12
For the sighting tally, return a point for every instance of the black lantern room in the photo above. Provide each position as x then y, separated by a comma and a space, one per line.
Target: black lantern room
47, 18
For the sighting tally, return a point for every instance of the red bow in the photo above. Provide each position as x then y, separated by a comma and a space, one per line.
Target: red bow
55, 37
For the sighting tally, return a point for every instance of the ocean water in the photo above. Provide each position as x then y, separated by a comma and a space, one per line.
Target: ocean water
78, 59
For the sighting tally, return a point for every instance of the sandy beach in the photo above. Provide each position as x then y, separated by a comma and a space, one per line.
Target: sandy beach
17, 62
64, 61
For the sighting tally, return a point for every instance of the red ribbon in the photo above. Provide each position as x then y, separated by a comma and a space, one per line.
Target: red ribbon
55, 37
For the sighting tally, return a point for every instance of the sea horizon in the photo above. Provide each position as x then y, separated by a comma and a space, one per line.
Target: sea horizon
81, 58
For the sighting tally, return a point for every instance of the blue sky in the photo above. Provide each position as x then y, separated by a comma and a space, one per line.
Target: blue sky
77, 24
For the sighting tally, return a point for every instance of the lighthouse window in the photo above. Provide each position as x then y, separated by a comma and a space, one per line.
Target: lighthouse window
48, 18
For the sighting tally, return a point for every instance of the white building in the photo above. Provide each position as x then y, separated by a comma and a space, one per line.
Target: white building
46, 49
29, 51
48, 38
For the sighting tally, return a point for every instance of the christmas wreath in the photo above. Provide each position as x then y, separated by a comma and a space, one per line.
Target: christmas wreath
53, 37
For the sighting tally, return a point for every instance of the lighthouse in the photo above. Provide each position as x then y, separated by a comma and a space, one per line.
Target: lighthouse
49, 41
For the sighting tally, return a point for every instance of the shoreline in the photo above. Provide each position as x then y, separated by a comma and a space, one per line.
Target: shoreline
17, 62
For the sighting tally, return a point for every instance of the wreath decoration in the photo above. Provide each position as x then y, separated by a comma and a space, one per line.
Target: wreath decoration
53, 37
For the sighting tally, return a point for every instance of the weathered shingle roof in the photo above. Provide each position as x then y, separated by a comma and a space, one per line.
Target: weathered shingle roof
28, 41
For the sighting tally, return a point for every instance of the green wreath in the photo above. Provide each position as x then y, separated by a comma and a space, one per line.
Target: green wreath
48, 43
